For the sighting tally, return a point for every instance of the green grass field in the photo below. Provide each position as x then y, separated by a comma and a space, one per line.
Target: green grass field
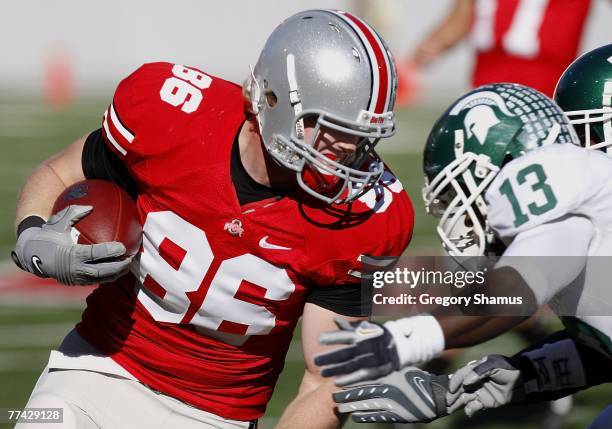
29, 133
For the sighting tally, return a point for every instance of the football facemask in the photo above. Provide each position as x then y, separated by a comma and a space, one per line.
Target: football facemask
584, 92
459, 204
325, 176
586, 121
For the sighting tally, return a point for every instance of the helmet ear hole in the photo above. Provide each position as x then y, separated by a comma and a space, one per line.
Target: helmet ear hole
269, 95
271, 99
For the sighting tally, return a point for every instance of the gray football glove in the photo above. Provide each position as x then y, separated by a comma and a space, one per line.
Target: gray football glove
371, 352
49, 251
492, 381
407, 396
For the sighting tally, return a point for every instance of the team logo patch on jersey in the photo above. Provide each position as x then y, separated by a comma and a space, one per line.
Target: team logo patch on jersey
234, 228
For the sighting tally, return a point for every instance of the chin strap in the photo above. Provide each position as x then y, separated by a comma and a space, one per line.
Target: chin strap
294, 96
255, 91
255, 95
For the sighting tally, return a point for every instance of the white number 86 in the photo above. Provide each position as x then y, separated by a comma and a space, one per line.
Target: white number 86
176, 259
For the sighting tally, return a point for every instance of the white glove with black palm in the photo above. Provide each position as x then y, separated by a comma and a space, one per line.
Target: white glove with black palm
370, 354
407, 396
50, 251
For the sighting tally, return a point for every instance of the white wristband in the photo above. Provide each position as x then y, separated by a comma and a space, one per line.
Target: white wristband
417, 339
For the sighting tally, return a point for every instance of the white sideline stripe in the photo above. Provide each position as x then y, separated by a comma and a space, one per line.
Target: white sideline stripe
117, 123
110, 136
23, 360
49, 302
34, 334
13, 110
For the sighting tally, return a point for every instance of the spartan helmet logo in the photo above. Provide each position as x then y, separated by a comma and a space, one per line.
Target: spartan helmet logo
480, 117
478, 121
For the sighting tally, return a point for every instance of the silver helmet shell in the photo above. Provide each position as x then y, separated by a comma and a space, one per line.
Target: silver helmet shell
333, 70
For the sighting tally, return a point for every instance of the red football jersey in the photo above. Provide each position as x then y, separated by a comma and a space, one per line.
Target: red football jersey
210, 312
530, 42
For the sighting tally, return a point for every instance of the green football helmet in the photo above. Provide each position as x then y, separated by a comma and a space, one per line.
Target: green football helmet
584, 92
469, 144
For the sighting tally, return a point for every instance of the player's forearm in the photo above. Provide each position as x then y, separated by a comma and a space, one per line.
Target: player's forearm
452, 29
483, 322
48, 180
560, 366
39, 193
313, 409
467, 331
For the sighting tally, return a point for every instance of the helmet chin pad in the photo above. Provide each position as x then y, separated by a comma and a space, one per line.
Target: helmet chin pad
327, 180
321, 181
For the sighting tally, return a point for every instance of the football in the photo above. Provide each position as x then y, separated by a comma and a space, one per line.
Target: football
114, 216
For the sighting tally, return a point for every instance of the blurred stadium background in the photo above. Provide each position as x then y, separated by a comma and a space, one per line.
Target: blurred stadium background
61, 61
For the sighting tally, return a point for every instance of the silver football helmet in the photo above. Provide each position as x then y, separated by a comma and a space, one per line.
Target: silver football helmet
333, 71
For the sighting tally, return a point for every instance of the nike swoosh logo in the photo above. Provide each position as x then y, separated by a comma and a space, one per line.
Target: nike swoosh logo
36, 263
367, 331
264, 244
420, 384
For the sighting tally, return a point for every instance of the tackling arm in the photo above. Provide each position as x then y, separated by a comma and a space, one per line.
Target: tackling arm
421, 338
530, 267
313, 406
556, 367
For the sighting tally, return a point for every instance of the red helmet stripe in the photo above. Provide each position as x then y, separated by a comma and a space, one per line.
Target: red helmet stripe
381, 69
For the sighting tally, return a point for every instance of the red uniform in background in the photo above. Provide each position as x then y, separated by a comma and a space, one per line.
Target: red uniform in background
526, 41
219, 288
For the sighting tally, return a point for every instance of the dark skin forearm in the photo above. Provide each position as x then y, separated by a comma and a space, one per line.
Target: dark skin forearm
467, 331
484, 322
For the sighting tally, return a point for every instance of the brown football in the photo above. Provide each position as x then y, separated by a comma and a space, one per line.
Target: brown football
114, 216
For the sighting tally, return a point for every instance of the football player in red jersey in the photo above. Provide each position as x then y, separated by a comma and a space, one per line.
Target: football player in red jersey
530, 42
252, 216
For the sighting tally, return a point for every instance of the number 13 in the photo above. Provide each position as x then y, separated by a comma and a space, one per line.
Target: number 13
539, 185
